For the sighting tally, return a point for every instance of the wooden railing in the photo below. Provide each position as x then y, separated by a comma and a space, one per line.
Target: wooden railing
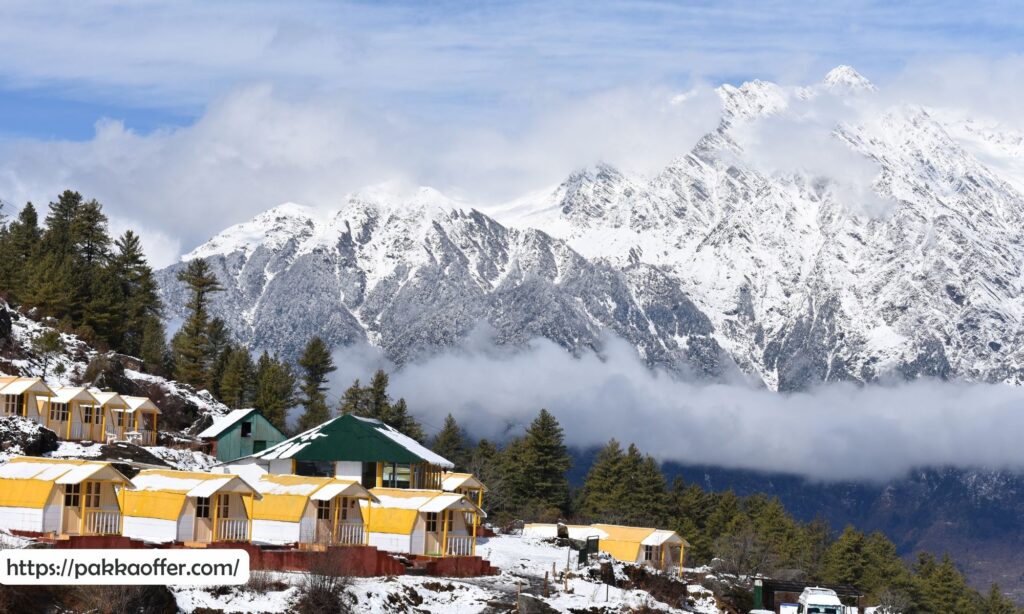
349, 535
232, 529
460, 545
102, 522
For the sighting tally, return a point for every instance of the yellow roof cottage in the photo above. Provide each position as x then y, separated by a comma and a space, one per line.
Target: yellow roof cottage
60, 496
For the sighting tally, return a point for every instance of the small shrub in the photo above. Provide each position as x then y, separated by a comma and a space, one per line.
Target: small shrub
323, 587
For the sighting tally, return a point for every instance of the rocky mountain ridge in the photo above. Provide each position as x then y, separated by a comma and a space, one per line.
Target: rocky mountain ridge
816, 235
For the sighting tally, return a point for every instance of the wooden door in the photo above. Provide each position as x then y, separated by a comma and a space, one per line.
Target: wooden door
433, 533
202, 532
325, 522
71, 522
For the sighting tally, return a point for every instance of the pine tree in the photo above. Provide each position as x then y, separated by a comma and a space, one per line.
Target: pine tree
450, 443
316, 363
238, 379
18, 248
275, 389
996, 602
598, 499
884, 570
940, 587
400, 418
845, 561
353, 401
649, 495
153, 347
484, 464
546, 461
190, 345
140, 301
47, 346
373, 402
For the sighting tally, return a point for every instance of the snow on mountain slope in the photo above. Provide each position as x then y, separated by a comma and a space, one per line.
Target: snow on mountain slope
809, 238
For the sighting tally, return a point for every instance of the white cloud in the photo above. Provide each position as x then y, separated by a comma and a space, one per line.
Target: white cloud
835, 432
257, 148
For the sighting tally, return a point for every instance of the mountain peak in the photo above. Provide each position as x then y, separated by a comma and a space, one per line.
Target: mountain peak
844, 76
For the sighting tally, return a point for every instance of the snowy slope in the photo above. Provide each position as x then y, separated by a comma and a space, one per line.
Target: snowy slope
816, 235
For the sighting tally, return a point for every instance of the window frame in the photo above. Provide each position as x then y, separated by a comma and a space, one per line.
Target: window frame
323, 510
203, 508
430, 518
72, 495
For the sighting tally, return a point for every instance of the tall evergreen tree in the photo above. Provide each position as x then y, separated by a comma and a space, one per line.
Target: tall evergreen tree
374, 402
139, 299
546, 461
450, 442
18, 248
153, 347
598, 499
845, 562
275, 389
238, 380
316, 364
191, 344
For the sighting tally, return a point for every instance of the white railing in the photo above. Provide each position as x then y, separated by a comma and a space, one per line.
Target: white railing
232, 529
349, 535
76, 430
460, 545
147, 438
102, 522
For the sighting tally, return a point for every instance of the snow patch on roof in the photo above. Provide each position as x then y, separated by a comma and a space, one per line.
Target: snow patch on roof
223, 423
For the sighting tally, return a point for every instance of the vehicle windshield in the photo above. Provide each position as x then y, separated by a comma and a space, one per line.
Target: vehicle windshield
823, 609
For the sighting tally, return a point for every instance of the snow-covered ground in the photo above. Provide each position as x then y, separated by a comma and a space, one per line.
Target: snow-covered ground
523, 563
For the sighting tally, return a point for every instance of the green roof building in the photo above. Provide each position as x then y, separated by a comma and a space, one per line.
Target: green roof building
352, 448
240, 433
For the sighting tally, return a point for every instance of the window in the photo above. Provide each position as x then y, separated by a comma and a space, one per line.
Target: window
369, 475
120, 418
12, 404
72, 494
323, 510
92, 495
247, 428
649, 552
223, 506
315, 469
87, 411
431, 522
59, 412
203, 507
397, 476
259, 445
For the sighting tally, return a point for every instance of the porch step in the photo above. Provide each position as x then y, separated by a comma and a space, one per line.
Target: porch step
195, 544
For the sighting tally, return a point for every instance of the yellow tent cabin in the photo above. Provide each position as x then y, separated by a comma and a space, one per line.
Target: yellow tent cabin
60, 496
139, 421
426, 522
64, 412
23, 396
98, 424
656, 548
310, 511
190, 507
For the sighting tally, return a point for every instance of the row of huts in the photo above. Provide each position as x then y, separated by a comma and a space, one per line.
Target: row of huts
348, 481
79, 413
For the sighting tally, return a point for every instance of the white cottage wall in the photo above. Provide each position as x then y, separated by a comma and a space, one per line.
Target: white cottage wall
23, 519
150, 529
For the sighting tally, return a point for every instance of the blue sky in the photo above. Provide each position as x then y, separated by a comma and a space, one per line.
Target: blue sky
227, 108
155, 64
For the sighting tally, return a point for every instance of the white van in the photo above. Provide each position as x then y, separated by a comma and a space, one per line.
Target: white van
815, 600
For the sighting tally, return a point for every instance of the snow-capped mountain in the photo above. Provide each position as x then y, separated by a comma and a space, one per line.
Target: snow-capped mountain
816, 235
